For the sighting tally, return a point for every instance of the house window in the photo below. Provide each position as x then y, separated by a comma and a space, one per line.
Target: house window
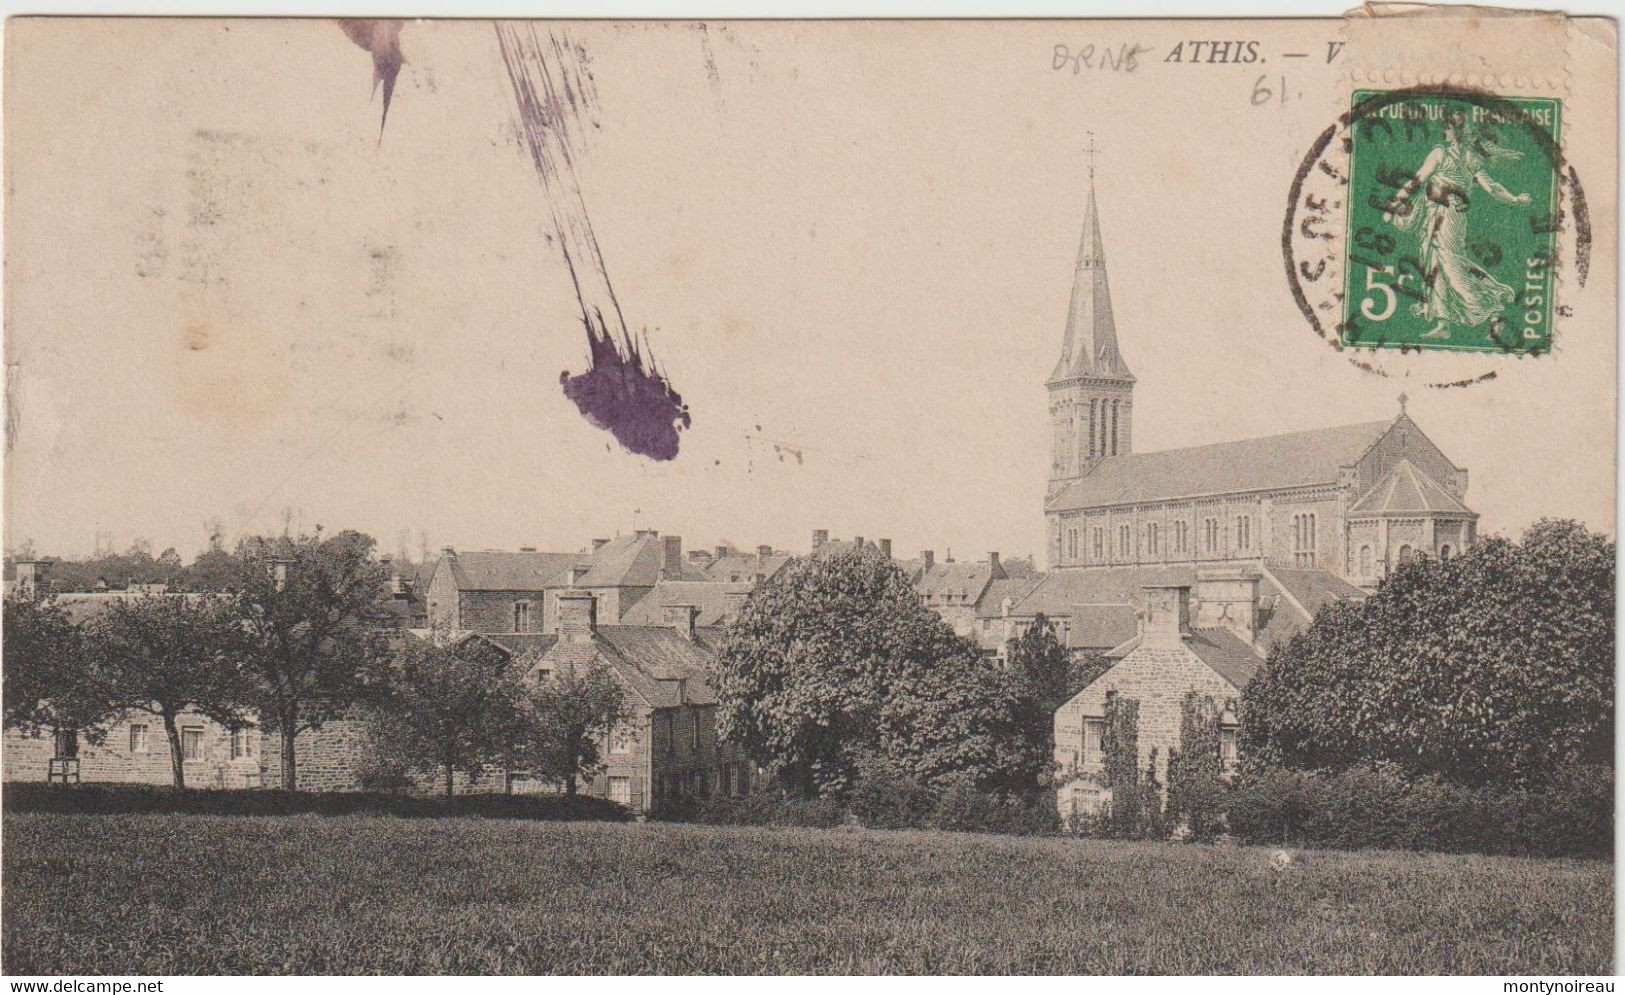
742, 782
623, 738
670, 722
1303, 540
1228, 751
1094, 734
694, 730
521, 617
138, 738
620, 790
66, 743
192, 743
1099, 542
1365, 561
243, 742
725, 783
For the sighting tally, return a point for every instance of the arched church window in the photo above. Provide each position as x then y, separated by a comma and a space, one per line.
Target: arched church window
1406, 553
1114, 428
1365, 561
1444, 551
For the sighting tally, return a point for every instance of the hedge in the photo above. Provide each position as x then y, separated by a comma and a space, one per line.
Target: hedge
141, 799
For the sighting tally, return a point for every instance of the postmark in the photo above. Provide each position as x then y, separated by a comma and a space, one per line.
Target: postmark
1437, 219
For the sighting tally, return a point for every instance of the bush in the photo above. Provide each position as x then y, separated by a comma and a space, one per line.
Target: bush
142, 799
962, 808
1379, 806
886, 798
764, 809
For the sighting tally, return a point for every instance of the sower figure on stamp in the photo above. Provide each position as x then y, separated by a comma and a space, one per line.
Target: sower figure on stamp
1459, 291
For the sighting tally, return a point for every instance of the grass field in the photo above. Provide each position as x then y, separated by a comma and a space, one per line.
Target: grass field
307, 894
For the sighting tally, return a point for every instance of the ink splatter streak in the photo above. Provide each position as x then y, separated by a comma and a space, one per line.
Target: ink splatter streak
622, 391
382, 38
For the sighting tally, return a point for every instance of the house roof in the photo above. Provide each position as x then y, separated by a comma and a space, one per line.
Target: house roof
1405, 490
1295, 459
1226, 653
716, 601
501, 570
1061, 591
965, 581
745, 566
522, 643
1100, 627
82, 606
1014, 588
1313, 589
658, 665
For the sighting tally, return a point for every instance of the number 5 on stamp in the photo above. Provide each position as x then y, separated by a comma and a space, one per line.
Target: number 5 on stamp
1452, 222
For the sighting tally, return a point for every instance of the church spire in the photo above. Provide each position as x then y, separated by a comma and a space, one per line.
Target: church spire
1089, 348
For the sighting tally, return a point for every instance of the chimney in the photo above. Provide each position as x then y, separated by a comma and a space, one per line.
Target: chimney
699, 556
447, 551
928, 557
885, 547
857, 543
578, 616
994, 564
682, 618
820, 536
1167, 616
721, 552
396, 588
1227, 596
597, 544
279, 573
763, 552
527, 549
671, 557
651, 533
30, 575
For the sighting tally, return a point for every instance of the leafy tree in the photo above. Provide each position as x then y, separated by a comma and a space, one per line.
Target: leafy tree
449, 705
1493, 666
314, 612
1120, 751
962, 719
46, 677
162, 656
831, 660
570, 713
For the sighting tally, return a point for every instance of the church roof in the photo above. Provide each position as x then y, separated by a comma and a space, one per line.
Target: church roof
1296, 459
1090, 346
1405, 490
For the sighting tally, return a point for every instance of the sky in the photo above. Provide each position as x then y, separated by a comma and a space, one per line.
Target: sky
849, 245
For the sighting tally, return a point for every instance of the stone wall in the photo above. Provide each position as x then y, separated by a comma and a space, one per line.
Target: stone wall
119, 759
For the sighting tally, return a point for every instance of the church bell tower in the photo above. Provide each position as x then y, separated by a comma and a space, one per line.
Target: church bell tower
1091, 389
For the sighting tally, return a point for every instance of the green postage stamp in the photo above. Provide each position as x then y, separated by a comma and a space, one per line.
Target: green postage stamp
1452, 222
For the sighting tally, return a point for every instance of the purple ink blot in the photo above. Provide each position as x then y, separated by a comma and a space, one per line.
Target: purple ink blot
623, 393
382, 38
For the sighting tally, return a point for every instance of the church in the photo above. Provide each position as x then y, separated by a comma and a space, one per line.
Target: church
1351, 500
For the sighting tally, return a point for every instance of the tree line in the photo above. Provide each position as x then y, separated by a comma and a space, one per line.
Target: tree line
300, 633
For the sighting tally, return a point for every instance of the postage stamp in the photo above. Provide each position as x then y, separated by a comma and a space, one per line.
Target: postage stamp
1452, 221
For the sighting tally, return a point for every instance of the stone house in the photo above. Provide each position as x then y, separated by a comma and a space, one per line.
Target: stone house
1171, 656
670, 749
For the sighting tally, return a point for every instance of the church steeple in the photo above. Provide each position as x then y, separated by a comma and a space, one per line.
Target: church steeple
1091, 387
1090, 345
